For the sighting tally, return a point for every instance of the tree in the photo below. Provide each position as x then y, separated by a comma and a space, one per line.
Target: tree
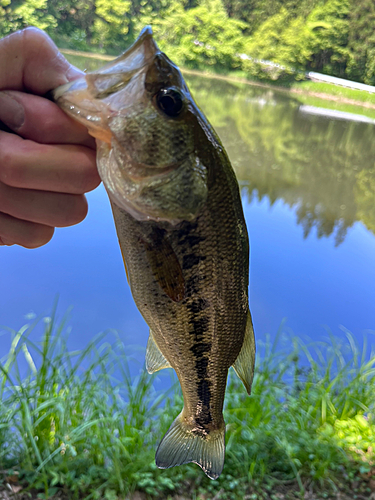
318, 42
281, 39
201, 37
328, 26
361, 41
111, 24
5, 17
35, 13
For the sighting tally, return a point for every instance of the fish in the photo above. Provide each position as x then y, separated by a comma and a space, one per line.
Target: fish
182, 233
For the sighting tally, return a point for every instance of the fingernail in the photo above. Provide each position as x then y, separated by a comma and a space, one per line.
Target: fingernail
11, 111
73, 73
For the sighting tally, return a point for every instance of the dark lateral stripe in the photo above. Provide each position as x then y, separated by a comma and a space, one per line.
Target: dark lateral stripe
204, 395
198, 327
201, 365
203, 389
186, 229
193, 284
204, 392
197, 305
200, 348
187, 236
193, 239
191, 260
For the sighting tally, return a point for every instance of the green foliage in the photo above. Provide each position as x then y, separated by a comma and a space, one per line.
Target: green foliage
78, 421
264, 44
35, 13
110, 25
199, 39
257, 12
361, 45
145, 12
77, 430
331, 36
282, 429
6, 21
355, 435
329, 29
317, 42
364, 195
280, 39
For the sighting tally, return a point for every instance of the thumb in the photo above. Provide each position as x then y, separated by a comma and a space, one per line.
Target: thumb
33, 63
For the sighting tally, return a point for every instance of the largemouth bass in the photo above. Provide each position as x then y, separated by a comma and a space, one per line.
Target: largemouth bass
182, 233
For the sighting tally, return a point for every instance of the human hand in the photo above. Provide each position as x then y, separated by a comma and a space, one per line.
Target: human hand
48, 164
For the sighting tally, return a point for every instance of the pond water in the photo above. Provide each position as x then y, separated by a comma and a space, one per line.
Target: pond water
308, 186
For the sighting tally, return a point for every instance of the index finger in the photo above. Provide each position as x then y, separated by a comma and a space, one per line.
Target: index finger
33, 63
41, 120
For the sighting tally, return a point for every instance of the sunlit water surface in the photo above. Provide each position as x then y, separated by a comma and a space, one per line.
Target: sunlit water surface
308, 191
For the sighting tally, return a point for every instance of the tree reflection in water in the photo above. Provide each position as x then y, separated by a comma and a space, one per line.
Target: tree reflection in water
321, 167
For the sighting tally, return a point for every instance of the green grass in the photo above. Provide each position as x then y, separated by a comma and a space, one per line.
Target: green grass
80, 424
335, 90
336, 105
305, 90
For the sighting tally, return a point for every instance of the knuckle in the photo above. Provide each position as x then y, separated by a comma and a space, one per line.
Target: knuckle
12, 170
7, 167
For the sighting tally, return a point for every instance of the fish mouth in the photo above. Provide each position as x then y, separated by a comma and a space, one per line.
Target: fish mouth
91, 99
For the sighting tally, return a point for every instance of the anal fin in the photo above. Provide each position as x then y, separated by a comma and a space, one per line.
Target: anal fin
181, 445
244, 364
155, 359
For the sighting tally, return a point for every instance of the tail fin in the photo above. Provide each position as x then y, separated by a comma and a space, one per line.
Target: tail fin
181, 445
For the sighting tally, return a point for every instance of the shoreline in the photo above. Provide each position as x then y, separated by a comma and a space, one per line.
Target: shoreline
235, 79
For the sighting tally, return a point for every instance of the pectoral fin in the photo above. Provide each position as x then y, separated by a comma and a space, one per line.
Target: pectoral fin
244, 364
165, 265
155, 360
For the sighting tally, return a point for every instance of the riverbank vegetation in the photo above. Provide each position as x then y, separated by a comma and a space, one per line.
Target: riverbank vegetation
79, 425
328, 36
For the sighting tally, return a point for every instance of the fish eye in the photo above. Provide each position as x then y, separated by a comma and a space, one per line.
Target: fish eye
169, 101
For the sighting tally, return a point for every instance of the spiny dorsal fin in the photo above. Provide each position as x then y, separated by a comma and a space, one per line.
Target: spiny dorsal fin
155, 360
244, 364
181, 445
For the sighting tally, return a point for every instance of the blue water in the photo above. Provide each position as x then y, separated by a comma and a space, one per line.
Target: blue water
307, 281
316, 281
310, 282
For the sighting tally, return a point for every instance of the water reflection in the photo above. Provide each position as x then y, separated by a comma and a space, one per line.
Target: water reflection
301, 175
321, 167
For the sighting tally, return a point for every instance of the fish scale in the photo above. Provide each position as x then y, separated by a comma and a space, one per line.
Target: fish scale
208, 271
179, 220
